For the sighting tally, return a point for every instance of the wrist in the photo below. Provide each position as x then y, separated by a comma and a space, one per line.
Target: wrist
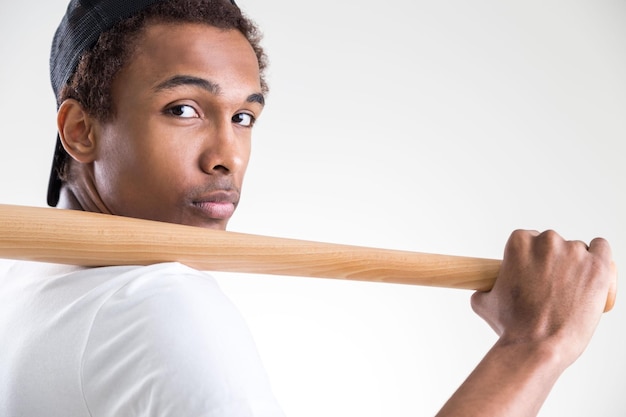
513, 379
549, 351
546, 356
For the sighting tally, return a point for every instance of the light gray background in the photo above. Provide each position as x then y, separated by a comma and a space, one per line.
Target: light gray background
409, 124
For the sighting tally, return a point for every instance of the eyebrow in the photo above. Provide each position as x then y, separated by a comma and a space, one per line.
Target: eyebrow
180, 80
256, 98
210, 86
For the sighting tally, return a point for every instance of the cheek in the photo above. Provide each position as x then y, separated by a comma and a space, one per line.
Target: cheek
109, 167
138, 162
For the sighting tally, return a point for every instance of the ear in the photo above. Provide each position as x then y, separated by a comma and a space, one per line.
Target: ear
76, 130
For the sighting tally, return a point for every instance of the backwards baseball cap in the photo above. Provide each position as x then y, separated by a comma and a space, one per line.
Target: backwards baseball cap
80, 28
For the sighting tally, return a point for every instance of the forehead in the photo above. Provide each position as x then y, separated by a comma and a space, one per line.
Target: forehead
166, 49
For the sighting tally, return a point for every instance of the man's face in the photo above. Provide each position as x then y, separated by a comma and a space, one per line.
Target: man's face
179, 144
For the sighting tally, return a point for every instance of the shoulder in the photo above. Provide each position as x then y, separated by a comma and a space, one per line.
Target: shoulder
169, 296
143, 286
176, 342
161, 302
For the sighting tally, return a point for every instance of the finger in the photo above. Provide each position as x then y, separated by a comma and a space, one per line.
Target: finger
581, 243
520, 240
600, 247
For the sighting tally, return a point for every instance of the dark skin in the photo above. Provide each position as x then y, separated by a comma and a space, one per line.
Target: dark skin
545, 305
178, 146
177, 149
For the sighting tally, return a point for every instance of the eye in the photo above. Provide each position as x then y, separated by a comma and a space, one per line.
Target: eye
182, 110
244, 119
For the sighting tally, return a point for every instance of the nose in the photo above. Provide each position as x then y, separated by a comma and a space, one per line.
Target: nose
225, 151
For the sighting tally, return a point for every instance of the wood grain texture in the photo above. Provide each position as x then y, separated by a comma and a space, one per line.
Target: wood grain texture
90, 239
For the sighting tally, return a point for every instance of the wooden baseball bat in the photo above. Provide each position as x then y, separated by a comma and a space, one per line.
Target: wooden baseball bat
92, 239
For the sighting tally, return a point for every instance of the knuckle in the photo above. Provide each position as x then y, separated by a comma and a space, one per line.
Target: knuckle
518, 233
548, 242
600, 241
550, 236
519, 237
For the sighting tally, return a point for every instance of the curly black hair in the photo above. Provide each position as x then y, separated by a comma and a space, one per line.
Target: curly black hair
91, 83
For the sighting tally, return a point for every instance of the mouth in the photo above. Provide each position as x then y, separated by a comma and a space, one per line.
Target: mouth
219, 205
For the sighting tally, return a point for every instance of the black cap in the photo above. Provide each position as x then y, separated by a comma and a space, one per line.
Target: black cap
82, 25
78, 32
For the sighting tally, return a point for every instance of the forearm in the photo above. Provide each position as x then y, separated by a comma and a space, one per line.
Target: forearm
511, 380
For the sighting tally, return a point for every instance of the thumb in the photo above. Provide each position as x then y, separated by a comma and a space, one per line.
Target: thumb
481, 304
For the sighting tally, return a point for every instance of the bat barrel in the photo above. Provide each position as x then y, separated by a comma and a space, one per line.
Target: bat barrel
92, 239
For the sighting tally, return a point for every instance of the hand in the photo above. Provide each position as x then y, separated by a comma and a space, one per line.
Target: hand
549, 291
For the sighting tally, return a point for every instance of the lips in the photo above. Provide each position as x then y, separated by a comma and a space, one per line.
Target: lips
218, 205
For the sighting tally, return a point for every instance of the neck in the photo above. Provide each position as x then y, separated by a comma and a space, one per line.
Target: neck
73, 197
68, 200
79, 191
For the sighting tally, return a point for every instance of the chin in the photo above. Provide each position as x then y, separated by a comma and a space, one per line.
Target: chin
190, 218
221, 226
213, 224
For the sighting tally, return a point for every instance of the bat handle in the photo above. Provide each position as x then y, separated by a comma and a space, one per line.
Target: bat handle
610, 300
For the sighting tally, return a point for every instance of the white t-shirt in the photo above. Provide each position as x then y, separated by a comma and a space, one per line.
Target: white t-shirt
161, 340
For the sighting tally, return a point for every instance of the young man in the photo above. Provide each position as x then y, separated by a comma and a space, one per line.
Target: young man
156, 104
156, 118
